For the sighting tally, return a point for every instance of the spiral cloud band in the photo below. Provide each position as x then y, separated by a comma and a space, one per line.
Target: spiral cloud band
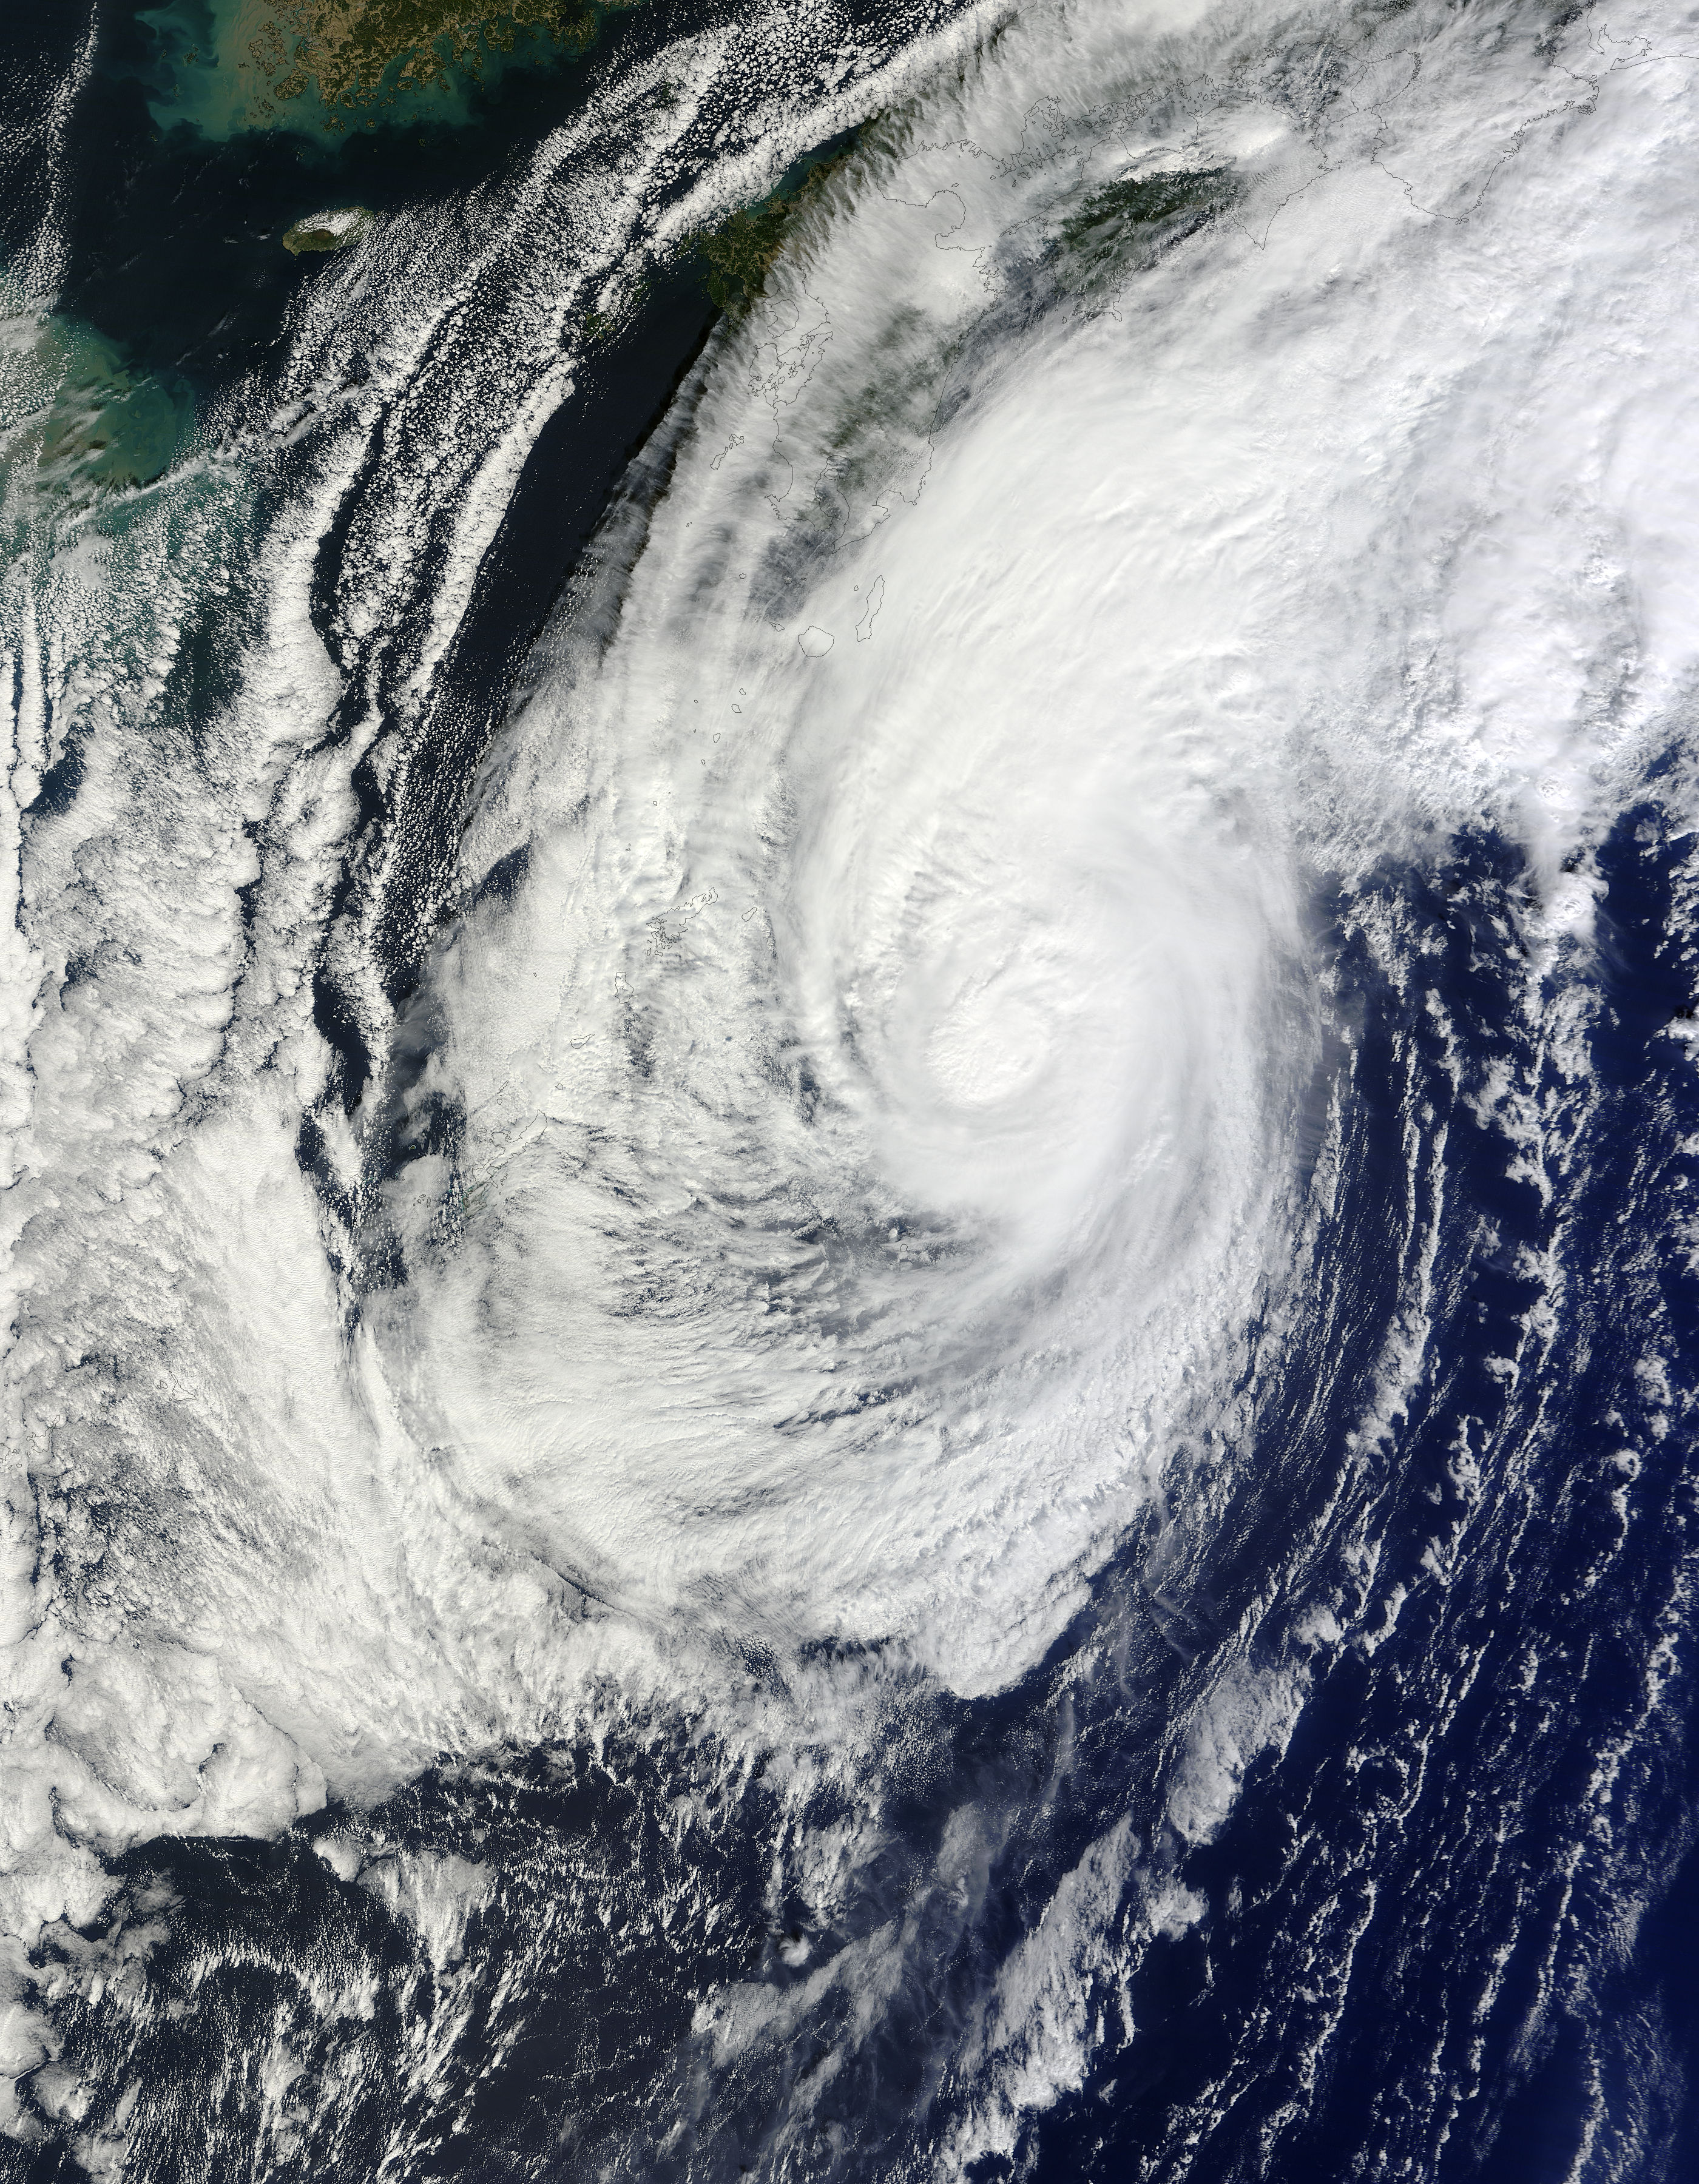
867, 1137
879, 1097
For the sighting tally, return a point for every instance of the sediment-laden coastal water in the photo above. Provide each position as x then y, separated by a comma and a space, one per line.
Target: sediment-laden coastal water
851, 1102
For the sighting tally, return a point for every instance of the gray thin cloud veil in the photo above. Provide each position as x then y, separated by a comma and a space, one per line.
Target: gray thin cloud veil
873, 1107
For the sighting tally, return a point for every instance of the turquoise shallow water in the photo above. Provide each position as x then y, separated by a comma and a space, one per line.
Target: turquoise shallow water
279, 535
126, 410
176, 207
201, 71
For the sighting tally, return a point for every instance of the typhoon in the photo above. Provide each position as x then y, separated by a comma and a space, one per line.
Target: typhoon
888, 1372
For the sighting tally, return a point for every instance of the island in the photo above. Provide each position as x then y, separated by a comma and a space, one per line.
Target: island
328, 230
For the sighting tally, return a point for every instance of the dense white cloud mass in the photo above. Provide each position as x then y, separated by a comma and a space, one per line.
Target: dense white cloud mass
881, 1093
876, 1092
852, 1156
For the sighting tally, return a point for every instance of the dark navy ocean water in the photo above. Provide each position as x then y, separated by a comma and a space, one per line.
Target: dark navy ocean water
1430, 1946
1438, 1538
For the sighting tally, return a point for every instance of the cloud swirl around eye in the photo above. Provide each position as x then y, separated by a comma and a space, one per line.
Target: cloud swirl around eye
883, 1096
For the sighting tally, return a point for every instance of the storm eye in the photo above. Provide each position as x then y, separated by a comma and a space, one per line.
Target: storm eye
953, 1442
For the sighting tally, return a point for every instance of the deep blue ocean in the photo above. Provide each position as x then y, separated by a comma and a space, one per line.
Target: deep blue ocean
1445, 1925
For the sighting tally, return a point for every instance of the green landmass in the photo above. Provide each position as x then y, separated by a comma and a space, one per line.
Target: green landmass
328, 230
345, 49
327, 65
742, 250
1131, 222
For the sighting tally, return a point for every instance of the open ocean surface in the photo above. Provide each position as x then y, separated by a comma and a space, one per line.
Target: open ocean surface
852, 1152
